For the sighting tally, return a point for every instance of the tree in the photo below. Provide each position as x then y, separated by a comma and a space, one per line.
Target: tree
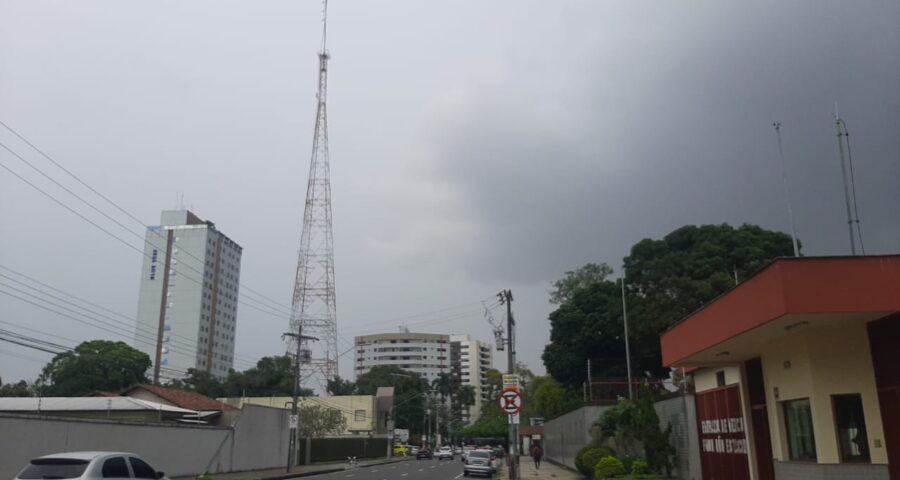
634, 422
317, 421
339, 386
409, 393
20, 389
666, 280
94, 365
200, 381
547, 398
575, 280
272, 376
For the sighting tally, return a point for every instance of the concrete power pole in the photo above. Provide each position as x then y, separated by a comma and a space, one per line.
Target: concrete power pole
295, 417
507, 298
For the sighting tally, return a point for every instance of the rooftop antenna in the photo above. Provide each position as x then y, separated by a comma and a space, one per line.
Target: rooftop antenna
787, 196
849, 185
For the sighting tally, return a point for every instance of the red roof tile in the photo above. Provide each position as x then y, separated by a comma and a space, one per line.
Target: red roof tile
182, 398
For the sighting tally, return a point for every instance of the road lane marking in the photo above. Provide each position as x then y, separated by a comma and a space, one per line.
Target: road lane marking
404, 474
454, 478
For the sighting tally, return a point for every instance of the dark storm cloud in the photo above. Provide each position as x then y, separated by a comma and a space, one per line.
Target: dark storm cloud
664, 119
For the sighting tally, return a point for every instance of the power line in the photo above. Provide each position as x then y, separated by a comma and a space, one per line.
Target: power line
189, 343
105, 326
105, 198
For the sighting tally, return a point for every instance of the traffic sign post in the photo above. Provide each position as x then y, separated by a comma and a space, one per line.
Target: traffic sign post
510, 401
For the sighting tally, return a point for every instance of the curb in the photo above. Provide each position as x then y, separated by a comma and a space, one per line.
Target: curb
328, 470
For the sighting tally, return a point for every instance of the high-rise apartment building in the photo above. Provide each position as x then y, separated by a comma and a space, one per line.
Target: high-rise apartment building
187, 310
427, 354
470, 360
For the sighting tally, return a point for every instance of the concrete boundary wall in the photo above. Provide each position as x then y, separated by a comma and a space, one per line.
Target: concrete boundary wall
257, 439
566, 434
681, 413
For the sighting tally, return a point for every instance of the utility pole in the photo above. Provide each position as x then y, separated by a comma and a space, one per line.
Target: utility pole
849, 192
295, 417
590, 383
507, 298
627, 348
787, 196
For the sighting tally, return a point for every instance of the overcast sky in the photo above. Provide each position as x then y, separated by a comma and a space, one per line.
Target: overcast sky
475, 146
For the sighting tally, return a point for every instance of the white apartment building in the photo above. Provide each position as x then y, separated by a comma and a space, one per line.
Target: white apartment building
187, 309
471, 360
424, 353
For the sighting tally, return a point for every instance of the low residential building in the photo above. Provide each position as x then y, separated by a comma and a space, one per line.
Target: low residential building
797, 371
359, 411
426, 354
209, 410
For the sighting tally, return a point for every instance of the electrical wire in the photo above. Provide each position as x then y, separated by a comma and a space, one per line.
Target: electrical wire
148, 334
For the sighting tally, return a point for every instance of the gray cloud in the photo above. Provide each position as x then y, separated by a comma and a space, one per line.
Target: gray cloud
475, 146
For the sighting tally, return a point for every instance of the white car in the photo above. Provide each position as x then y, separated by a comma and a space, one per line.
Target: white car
444, 452
89, 466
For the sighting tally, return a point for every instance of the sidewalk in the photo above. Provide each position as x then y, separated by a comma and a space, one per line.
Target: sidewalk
547, 470
299, 471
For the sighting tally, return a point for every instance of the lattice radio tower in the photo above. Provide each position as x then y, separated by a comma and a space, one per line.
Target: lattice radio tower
313, 309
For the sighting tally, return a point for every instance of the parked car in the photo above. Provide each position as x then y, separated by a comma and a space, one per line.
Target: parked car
399, 449
457, 450
478, 462
445, 452
412, 449
89, 466
424, 452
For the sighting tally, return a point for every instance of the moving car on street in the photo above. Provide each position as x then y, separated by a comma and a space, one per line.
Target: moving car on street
89, 466
478, 462
424, 452
445, 452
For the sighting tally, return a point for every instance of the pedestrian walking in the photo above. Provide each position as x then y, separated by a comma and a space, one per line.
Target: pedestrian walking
536, 454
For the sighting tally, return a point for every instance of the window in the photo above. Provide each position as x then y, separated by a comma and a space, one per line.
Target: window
359, 416
798, 423
41, 468
115, 468
720, 378
851, 428
141, 469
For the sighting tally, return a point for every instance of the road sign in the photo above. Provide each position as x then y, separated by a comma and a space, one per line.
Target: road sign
514, 419
510, 379
292, 421
510, 401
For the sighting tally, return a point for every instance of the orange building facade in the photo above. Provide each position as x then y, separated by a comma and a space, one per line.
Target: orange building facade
797, 371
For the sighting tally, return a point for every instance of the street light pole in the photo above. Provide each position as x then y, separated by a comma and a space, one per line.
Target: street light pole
295, 418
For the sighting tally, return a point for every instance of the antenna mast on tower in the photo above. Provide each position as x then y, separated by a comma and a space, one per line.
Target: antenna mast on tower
313, 309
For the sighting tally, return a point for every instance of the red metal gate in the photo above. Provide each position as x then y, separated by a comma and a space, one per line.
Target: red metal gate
723, 442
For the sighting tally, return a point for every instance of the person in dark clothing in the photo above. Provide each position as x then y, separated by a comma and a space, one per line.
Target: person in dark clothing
536, 454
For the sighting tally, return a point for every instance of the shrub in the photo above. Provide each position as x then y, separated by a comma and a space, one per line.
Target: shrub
590, 457
608, 467
586, 458
638, 466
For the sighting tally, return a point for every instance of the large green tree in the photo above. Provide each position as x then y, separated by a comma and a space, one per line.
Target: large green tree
575, 280
94, 365
666, 279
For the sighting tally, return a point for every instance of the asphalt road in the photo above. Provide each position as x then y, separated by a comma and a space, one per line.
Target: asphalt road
408, 470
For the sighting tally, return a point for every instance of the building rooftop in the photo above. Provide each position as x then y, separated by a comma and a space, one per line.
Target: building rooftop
181, 398
84, 404
787, 293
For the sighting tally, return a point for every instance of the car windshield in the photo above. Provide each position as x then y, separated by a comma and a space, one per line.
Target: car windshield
480, 454
54, 468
